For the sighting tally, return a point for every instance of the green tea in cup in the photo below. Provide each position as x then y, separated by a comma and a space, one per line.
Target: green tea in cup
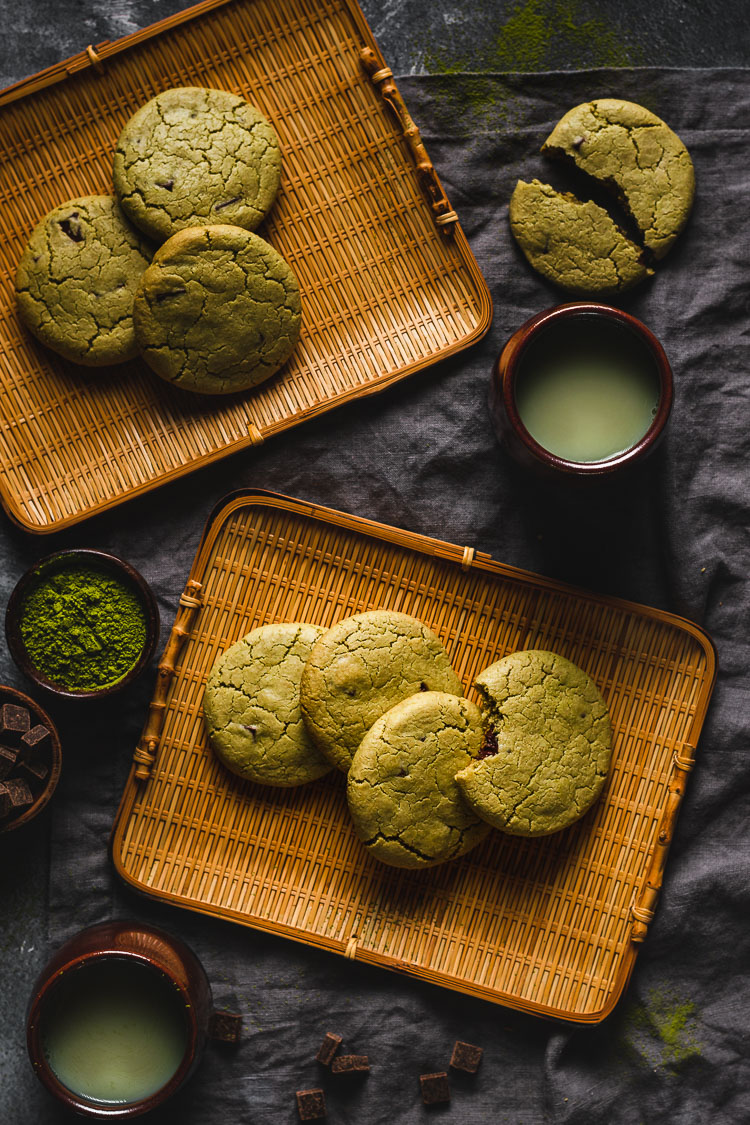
587, 392
581, 391
114, 1031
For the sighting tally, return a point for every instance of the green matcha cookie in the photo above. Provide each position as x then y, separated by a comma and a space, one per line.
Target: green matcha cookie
551, 731
631, 151
573, 244
191, 157
251, 706
361, 667
77, 278
217, 311
404, 801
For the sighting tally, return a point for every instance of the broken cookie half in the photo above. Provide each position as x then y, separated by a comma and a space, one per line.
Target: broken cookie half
573, 244
638, 157
647, 171
551, 730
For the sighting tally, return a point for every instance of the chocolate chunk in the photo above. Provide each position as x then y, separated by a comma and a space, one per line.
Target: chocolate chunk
15, 796
489, 746
37, 738
72, 228
466, 1057
225, 1026
8, 758
350, 1064
35, 765
328, 1048
435, 1088
311, 1105
14, 721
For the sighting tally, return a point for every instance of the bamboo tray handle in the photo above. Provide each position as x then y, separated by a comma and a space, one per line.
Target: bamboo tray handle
643, 910
382, 76
148, 744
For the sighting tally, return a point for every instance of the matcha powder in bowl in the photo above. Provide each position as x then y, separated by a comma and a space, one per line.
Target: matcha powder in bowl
82, 623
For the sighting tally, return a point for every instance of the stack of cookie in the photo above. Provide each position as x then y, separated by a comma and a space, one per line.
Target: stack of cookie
215, 309
428, 772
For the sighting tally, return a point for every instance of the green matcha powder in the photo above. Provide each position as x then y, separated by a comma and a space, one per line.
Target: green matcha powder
83, 629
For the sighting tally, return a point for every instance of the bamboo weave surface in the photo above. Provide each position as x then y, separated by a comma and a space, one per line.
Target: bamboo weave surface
384, 291
543, 925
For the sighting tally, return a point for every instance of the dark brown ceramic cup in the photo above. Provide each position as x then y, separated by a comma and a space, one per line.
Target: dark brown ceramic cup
509, 366
53, 756
97, 560
160, 953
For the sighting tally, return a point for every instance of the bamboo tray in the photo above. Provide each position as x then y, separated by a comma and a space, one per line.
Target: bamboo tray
550, 926
388, 282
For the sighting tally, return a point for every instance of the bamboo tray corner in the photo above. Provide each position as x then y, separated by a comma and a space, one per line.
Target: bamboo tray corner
549, 926
388, 282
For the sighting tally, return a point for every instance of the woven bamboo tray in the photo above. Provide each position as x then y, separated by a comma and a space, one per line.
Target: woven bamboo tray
388, 282
550, 926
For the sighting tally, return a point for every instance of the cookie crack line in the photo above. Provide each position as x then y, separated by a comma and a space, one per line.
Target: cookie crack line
397, 840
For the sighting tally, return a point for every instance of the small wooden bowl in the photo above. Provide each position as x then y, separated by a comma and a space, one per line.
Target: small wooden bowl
502, 399
10, 695
136, 941
98, 560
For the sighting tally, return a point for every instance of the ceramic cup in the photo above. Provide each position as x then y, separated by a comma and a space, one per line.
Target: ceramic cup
172, 971
550, 333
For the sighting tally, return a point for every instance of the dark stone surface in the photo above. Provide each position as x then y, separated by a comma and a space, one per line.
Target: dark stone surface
424, 36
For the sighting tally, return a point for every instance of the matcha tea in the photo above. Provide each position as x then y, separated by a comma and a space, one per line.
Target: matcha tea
114, 1031
587, 390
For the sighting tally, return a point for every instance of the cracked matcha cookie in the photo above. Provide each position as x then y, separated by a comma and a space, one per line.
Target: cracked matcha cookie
251, 707
573, 244
547, 745
77, 278
401, 789
360, 668
193, 156
217, 311
631, 151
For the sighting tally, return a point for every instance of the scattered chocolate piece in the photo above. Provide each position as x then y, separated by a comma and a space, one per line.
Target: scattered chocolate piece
8, 758
225, 1026
14, 720
311, 1105
350, 1064
15, 796
38, 738
435, 1088
328, 1048
35, 765
466, 1057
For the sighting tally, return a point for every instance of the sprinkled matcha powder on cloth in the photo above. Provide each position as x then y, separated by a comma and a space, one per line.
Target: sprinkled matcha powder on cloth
82, 628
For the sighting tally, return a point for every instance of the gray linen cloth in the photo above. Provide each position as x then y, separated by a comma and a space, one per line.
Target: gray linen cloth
423, 457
